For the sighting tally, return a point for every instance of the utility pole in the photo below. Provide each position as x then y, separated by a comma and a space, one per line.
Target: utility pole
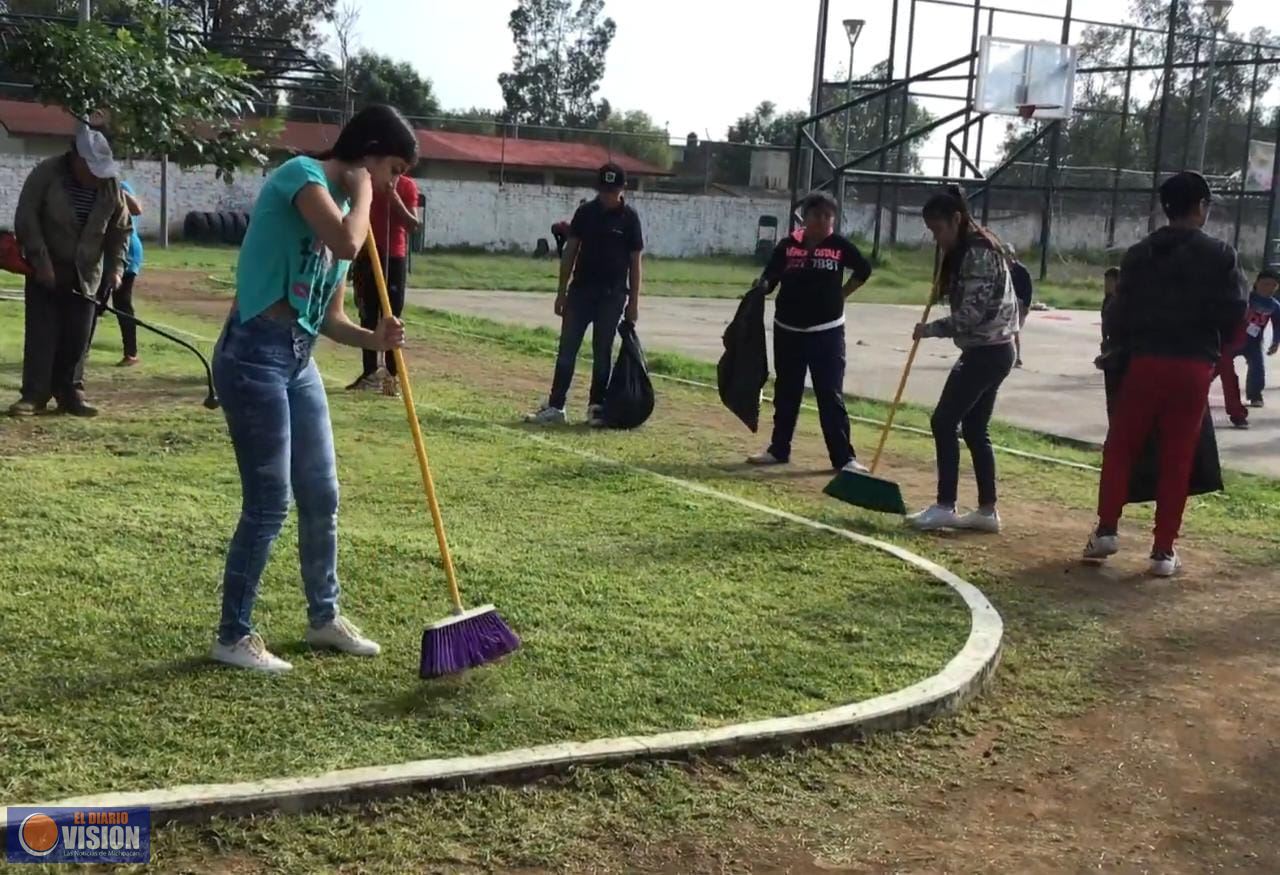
85, 11
815, 99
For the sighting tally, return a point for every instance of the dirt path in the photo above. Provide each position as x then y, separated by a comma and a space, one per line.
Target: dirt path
1175, 770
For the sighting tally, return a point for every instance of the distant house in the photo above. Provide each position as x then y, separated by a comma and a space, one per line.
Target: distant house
37, 130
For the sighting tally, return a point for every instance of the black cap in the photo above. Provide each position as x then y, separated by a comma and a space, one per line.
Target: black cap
612, 177
1269, 273
1181, 192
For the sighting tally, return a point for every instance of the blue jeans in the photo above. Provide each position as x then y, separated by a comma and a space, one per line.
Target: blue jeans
278, 417
602, 309
1255, 380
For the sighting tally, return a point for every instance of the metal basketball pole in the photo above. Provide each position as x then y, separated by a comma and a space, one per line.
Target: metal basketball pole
815, 99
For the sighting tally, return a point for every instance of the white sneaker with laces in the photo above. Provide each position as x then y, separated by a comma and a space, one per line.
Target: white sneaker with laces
547, 415
595, 416
1165, 564
980, 521
931, 519
249, 652
765, 458
342, 635
853, 466
1100, 548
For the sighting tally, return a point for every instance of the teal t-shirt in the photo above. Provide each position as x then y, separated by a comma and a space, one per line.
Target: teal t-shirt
281, 258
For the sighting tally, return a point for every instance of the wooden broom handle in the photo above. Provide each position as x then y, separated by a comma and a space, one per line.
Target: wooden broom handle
419, 445
906, 371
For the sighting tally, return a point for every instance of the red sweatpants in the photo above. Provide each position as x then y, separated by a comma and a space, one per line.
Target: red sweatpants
1167, 396
1226, 370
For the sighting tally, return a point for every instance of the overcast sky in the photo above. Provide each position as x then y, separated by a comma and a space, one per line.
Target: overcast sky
696, 65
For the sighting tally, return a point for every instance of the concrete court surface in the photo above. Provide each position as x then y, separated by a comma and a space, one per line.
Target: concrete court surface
1058, 392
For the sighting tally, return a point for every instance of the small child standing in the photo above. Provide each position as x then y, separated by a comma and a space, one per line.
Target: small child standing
1264, 309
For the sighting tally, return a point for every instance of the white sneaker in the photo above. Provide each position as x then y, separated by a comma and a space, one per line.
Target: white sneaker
934, 518
765, 458
853, 466
980, 521
1165, 564
595, 416
547, 415
1100, 547
340, 634
249, 652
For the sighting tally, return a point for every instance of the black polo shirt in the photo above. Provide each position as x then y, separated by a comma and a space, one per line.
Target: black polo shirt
812, 279
607, 238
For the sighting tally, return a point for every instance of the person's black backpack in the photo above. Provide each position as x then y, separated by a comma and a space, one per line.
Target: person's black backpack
744, 368
628, 403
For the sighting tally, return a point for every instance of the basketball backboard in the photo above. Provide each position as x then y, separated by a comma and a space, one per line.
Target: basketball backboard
1031, 79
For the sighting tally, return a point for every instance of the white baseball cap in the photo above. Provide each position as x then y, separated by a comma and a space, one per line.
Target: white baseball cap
93, 147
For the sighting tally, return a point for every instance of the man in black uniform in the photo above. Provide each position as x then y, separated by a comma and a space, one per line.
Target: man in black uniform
600, 280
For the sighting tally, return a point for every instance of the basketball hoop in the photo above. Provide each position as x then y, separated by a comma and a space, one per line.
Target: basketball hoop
1028, 110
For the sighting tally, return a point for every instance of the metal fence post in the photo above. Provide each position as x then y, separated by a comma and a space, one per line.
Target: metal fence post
1166, 86
1244, 164
1123, 150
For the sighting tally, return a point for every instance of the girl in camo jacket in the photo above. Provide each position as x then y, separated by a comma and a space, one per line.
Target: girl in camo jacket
976, 282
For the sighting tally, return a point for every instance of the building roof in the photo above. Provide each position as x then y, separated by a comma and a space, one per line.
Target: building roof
23, 119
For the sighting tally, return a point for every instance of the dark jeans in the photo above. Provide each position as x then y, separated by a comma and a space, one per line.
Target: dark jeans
121, 299
58, 325
1255, 380
822, 355
602, 309
371, 307
967, 401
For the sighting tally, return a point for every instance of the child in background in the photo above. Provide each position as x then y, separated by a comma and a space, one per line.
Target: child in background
1264, 309
1109, 361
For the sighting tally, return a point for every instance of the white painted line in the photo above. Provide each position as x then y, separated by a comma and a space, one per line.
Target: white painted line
961, 679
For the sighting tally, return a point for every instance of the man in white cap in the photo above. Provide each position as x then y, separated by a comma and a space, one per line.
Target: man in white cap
74, 227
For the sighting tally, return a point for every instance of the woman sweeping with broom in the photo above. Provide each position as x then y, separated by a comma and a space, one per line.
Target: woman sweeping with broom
310, 220
975, 279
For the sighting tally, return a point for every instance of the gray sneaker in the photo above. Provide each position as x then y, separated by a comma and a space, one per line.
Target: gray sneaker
366, 383
546, 415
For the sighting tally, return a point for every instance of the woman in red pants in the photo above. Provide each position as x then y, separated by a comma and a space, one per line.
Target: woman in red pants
1181, 296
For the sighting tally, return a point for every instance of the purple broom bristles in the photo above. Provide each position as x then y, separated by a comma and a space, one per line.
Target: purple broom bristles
468, 640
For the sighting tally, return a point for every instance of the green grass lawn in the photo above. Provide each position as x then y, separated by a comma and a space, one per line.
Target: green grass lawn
640, 607
903, 278
634, 601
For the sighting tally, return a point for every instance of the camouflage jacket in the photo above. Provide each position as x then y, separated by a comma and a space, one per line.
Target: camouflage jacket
984, 309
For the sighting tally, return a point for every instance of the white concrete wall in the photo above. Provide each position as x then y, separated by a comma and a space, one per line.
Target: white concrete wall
480, 214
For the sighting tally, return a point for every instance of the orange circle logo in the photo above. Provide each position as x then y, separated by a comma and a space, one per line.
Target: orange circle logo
38, 835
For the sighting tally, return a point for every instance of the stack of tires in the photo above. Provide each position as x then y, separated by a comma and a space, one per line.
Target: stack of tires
221, 228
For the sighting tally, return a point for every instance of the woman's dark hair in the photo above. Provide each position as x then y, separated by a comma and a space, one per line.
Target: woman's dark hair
815, 199
948, 203
377, 131
1111, 272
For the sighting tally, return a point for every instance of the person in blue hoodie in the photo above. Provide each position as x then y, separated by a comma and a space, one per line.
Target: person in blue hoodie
1264, 310
121, 297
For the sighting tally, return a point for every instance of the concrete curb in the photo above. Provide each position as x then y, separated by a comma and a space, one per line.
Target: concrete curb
961, 679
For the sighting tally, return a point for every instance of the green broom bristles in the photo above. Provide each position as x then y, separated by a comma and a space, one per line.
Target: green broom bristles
868, 492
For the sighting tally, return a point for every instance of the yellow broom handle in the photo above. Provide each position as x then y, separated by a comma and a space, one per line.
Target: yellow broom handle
419, 445
906, 372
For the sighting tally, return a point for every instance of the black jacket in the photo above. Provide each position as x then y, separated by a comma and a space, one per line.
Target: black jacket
1181, 295
744, 367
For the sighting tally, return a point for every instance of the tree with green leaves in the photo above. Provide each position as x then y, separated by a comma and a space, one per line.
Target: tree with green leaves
638, 136
158, 92
373, 78
559, 62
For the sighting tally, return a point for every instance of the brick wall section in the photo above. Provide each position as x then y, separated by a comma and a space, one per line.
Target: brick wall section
480, 214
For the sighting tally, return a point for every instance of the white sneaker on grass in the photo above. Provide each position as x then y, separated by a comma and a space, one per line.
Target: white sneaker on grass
547, 415
342, 635
249, 652
595, 416
1165, 564
980, 521
1100, 548
765, 458
853, 466
931, 519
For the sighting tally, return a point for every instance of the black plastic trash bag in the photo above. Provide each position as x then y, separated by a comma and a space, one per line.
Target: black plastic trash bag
1206, 473
628, 403
744, 368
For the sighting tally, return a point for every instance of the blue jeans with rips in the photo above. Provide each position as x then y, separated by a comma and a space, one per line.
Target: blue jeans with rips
278, 417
